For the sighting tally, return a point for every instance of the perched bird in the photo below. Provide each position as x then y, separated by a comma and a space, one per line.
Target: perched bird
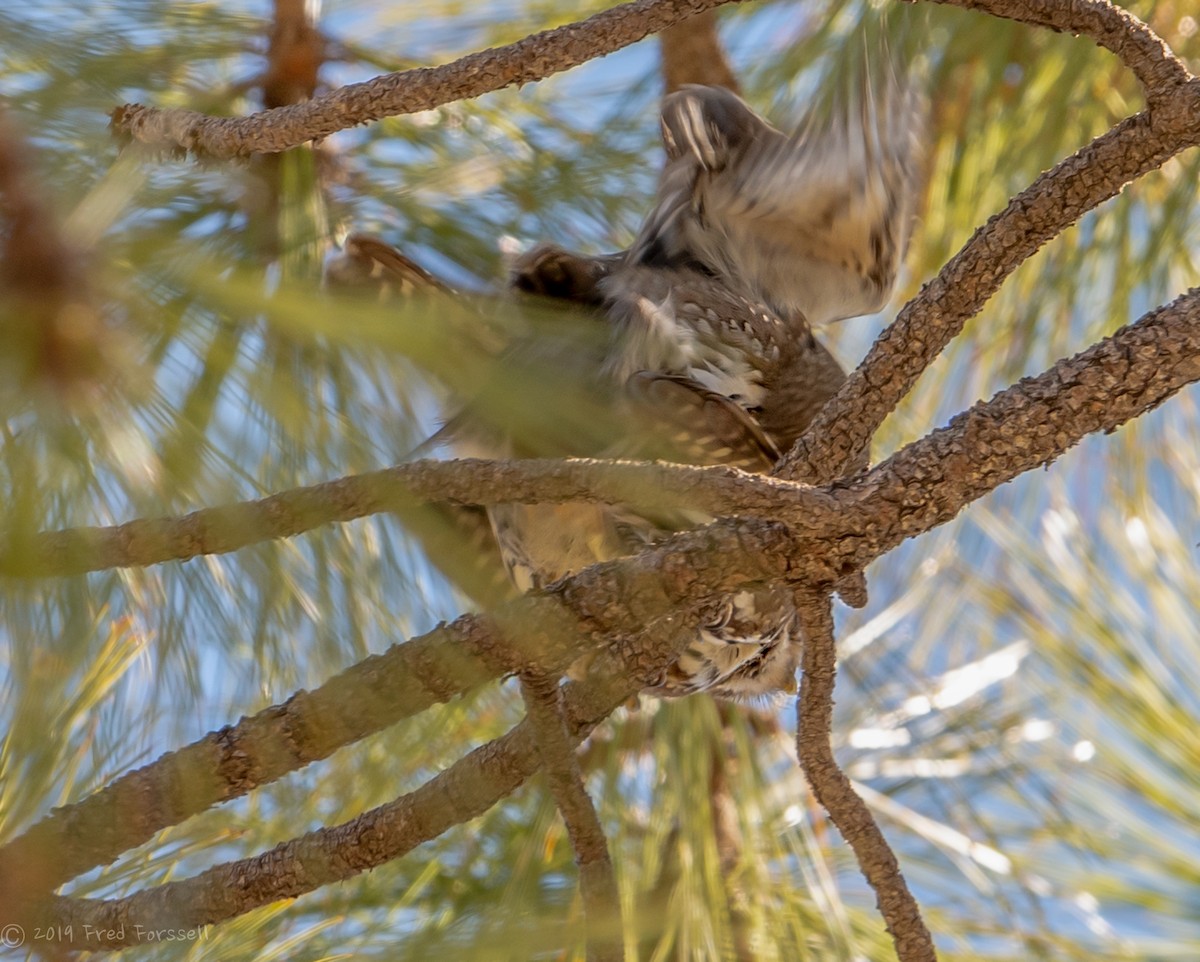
754, 237
696, 345
694, 372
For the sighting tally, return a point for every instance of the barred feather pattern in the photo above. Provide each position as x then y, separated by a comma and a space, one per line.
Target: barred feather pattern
754, 236
701, 374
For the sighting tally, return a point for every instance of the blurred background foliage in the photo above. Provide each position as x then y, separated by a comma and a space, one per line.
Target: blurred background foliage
1018, 702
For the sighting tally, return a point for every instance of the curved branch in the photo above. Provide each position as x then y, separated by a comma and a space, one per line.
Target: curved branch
1026, 426
814, 720
533, 58
845, 426
1113, 28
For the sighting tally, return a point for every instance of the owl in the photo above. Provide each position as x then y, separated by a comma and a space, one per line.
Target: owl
754, 236
696, 345
696, 372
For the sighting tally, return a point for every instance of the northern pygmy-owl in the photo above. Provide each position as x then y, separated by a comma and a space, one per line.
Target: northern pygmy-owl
692, 371
695, 345
754, 236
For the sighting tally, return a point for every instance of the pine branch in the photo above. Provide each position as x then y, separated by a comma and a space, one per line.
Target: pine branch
845, 426
842, 527
814, 714
842, 432
533, 58
1140, 48
462, 792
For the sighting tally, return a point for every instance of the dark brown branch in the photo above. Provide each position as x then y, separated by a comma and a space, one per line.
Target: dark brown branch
814, 711
38, 262
844, 428
597, 883
464, 791
533, 58
1112, 27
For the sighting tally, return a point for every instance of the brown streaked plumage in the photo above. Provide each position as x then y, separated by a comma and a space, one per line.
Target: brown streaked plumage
705, 352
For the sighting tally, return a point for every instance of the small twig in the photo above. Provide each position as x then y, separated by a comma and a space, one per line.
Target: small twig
597, 882
533, 58
814, 711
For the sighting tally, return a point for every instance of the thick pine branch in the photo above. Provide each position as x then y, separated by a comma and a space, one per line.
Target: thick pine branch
1028, 425
228, 528
844, 428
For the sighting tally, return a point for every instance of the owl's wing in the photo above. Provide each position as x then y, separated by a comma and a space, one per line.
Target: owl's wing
456, 538
815, 222
678, 419
368, 262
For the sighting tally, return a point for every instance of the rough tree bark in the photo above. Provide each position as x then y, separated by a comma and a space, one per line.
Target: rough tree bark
807, 527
